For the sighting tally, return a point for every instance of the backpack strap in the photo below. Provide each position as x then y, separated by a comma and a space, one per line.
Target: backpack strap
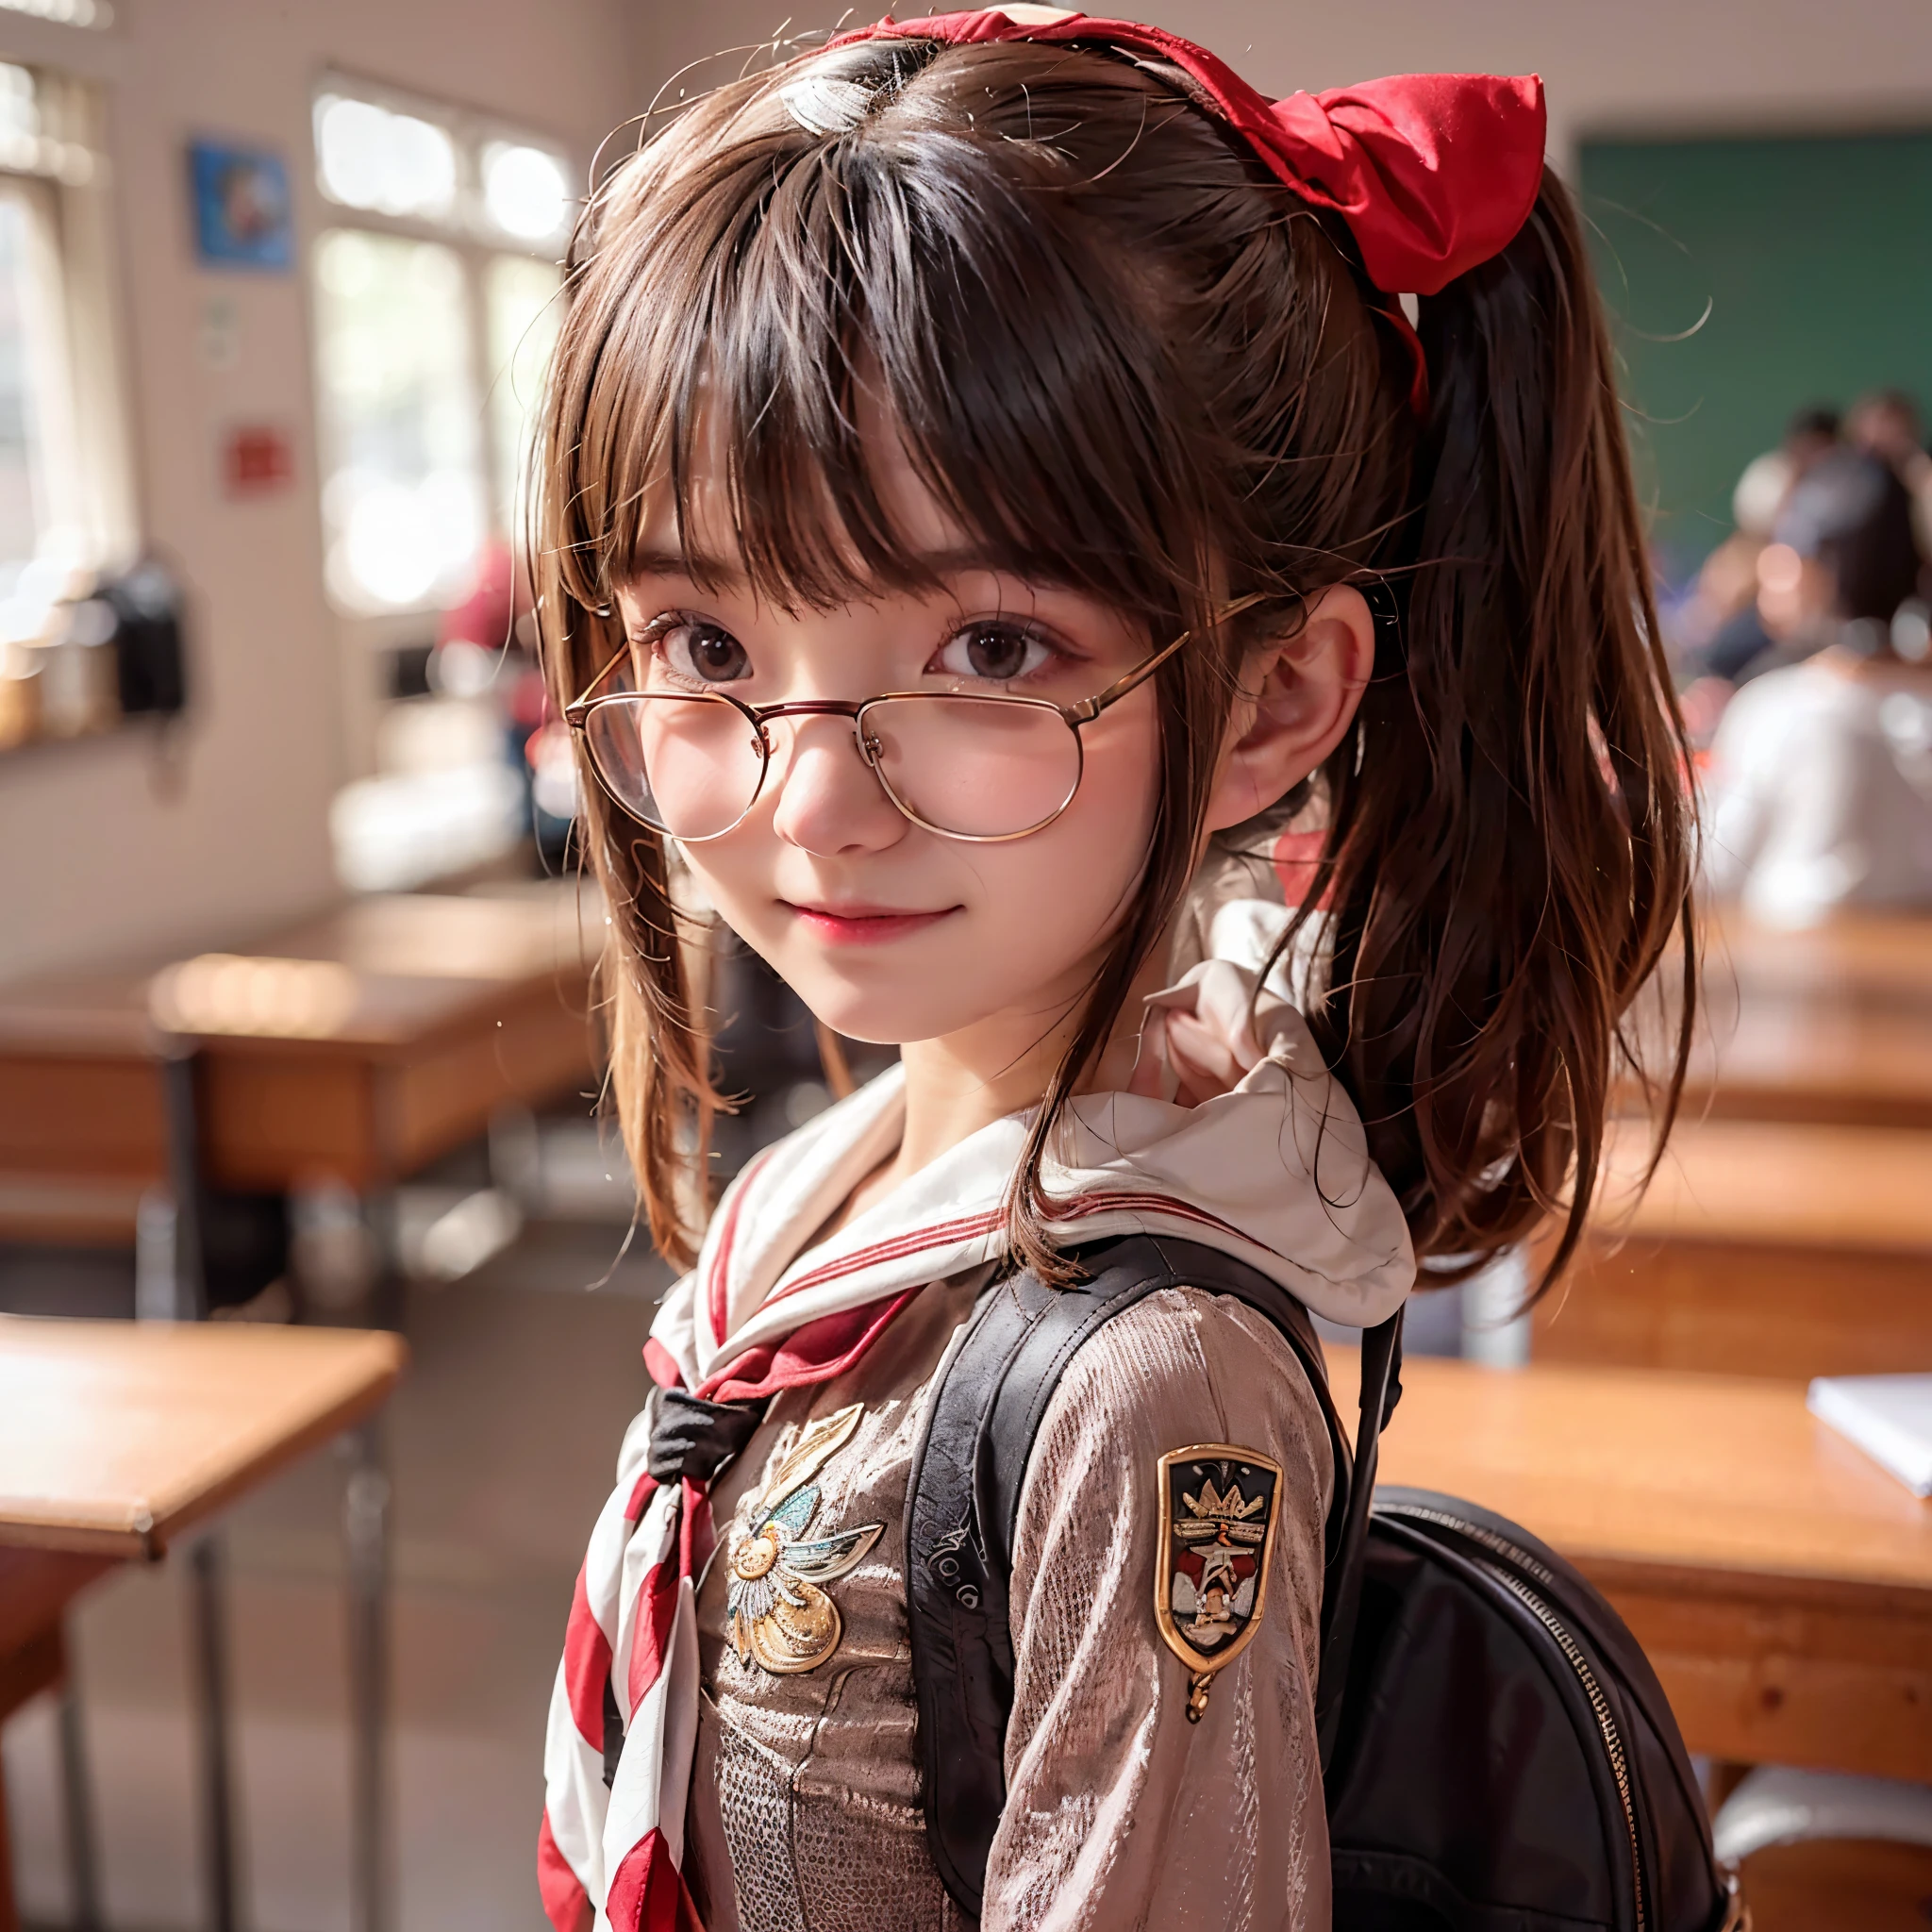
963, 1504
1341, 1585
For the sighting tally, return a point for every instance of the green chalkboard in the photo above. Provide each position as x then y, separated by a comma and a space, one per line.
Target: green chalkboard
1812, 256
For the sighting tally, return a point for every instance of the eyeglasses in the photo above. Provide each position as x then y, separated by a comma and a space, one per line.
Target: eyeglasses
978, 766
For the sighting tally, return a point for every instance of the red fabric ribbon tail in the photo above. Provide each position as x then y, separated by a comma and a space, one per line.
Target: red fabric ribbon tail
648, 1893
696, 1536
566, 1903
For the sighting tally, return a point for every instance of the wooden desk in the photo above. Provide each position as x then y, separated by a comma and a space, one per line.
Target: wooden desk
1780, 1581
345, 1052
1875, 961
1760, 1248
352, 1048
1791, 1060
1832, 1025
116, 1438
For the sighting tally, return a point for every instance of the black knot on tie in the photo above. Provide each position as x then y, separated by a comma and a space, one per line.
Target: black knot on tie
696, 1437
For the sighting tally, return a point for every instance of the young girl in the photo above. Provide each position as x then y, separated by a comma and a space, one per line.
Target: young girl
1004, 537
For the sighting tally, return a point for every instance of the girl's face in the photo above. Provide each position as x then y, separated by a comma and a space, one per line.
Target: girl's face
889, 932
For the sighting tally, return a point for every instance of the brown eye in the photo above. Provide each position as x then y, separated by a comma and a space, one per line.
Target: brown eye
999, 653
705, 651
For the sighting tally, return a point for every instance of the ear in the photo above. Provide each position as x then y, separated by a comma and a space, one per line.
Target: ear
1298, 697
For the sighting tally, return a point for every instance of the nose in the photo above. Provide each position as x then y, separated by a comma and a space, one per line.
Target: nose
828, 800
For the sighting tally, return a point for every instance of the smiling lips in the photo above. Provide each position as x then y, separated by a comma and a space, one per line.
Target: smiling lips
864, 925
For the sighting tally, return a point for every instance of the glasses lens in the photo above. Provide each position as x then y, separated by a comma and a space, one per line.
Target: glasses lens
690, 766
982, 768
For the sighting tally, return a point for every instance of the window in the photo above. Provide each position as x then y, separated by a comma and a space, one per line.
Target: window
521, 303
435, 308
68, 12
402, 500
65, 506
25, 392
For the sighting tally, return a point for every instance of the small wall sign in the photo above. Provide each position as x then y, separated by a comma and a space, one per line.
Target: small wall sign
257, 459
243, 216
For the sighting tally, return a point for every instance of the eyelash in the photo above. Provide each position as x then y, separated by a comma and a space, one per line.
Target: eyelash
1026, 629
652, 636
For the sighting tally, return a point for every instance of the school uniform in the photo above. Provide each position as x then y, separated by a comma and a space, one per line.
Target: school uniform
737, 1660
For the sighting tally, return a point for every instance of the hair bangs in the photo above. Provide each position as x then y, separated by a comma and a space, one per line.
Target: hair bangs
801, 311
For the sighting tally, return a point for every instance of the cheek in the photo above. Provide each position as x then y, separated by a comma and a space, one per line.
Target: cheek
1033, 914
1051, 900
733, 876
1098, 847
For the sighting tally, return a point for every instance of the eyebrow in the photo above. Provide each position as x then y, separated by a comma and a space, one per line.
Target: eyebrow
692, 565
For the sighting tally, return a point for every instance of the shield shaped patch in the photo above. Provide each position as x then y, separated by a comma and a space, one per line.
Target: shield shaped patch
1217, 1510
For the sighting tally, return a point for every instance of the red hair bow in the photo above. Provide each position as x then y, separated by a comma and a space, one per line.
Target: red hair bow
1432, 173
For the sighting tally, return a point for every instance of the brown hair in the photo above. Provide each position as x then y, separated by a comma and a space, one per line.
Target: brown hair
1127, 358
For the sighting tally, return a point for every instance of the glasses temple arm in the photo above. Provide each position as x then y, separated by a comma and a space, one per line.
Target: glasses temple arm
1090, 708
573, 710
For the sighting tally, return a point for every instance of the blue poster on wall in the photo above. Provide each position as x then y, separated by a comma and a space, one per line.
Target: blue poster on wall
242, 216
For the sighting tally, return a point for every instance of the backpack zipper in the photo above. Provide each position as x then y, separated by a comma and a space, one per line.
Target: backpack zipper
1599, 1703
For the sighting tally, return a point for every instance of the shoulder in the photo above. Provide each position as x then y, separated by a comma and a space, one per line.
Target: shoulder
1766, 706
1783, 715
1183, 1366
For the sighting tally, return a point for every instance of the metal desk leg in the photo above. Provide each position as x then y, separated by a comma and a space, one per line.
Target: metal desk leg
365, 1526
83, 1865
209, 1637
186, 1183
217, 1773
9, 1911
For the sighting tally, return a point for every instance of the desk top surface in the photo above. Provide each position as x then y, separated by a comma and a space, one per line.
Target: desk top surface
1659, 1472
1812, 1059
116, 1436
1879, 959
1832, 1024
1774, 1183
373, 973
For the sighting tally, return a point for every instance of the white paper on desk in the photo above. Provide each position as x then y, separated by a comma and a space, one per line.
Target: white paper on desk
1889, 1417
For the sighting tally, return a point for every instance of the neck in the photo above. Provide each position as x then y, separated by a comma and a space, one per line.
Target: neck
1000, 1065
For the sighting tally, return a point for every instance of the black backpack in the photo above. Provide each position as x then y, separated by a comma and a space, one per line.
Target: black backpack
1498, 1754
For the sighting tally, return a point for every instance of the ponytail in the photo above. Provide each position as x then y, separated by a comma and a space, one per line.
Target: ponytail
1510, 847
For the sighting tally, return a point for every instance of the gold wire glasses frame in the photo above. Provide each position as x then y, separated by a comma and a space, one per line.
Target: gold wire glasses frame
597, 718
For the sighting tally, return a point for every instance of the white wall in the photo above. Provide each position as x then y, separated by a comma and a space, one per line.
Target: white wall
1610, 64
97, 859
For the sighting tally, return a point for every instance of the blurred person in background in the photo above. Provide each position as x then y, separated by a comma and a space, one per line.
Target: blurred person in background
1716, 633
1888, 425
1819, 792
486, 646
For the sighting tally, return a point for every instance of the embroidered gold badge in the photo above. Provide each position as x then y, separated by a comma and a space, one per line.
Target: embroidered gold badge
1218, 1509
780, 1619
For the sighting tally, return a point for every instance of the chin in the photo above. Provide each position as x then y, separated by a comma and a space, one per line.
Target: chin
891, 1015
876, 1023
